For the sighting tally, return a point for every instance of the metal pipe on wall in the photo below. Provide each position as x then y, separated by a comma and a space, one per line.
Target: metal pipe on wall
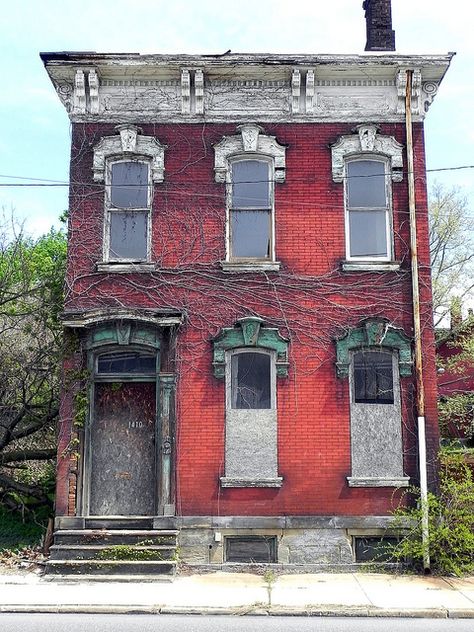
420, 391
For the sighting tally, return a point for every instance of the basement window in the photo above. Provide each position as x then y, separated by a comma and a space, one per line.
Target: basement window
254, 549
374, 548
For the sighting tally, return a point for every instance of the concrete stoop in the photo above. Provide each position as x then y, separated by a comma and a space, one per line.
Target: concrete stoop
113, 552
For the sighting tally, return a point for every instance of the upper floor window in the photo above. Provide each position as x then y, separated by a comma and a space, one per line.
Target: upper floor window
368, 162
250, 162
128, 211
250, 211
129, 163
368, 221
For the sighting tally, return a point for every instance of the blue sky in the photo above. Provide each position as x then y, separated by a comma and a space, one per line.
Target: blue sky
35, 130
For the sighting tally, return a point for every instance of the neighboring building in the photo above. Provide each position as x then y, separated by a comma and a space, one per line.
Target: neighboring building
239, 315
456, 375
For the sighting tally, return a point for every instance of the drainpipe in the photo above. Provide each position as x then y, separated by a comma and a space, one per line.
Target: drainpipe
420, 390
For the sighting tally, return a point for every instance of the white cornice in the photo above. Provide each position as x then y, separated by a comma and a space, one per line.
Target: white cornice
242, 88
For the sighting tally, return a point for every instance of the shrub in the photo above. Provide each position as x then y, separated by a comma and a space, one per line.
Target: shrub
451, 522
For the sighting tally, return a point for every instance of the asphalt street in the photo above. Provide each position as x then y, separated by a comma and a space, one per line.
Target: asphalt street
200, 623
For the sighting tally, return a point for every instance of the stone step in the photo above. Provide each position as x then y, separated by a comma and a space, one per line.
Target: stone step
98, 537
119, 522
117, 578
110, 567
125, 552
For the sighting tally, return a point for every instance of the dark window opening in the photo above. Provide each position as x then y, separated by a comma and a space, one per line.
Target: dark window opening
250, 214
251, 549
127, 362
373, 377
251, 380
374, 548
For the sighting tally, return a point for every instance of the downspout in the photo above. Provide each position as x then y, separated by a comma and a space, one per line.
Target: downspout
420, 389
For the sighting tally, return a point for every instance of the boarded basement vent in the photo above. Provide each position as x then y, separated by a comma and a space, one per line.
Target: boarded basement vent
251, 549
374, 548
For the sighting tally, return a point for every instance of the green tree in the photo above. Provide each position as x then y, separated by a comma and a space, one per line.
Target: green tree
451, 247
31, 299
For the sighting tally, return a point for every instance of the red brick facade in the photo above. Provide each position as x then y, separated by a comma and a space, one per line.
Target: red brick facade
310, 300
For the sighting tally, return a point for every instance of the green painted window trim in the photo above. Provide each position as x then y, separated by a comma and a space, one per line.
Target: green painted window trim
250, 332
374, 333
123, 333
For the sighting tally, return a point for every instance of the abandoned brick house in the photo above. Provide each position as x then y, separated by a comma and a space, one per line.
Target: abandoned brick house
241, 332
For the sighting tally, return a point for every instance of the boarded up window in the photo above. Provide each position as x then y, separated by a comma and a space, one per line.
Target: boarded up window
251, 549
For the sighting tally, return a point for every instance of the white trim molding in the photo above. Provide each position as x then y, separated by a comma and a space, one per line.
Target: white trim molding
129, 142
367, 140
250, 139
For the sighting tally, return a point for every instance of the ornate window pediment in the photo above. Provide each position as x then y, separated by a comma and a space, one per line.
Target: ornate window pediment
367, 140
250, 332
129, 142
249, 140
374, 332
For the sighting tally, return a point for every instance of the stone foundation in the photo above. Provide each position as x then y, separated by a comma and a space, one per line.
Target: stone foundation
301, 541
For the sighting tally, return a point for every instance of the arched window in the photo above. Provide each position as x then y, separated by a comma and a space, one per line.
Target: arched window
250, 163
252, 380
250, 356
368, 204
128, 211
373, 377
374, 356
250, 210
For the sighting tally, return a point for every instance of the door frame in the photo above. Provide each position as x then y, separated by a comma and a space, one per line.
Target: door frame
108, 338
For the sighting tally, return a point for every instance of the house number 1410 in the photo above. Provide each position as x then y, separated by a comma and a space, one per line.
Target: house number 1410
135, 424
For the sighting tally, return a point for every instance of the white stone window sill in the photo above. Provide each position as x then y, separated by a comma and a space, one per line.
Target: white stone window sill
229, 481
250, 266
370, 266
125, 267
377, 481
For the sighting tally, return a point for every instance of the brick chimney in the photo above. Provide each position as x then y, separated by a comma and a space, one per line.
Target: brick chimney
378, 17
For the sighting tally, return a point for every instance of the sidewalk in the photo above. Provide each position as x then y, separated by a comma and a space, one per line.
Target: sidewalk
344, 594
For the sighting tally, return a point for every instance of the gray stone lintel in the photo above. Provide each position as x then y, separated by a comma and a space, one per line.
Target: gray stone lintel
230, 481
286, 522
368, 481
256, 266
370, 266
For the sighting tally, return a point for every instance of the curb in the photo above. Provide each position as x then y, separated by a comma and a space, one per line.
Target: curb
260, 610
